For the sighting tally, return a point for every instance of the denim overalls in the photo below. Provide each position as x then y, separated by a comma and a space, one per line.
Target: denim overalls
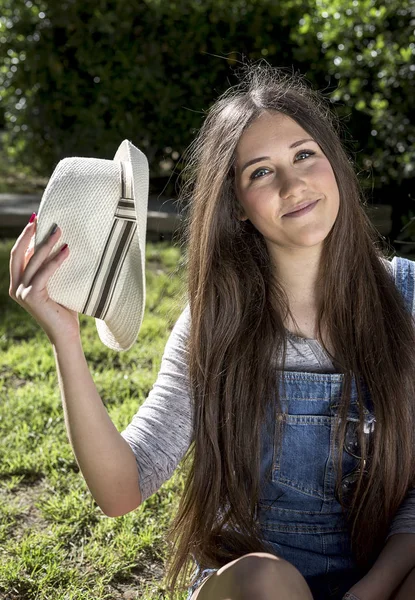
298, 511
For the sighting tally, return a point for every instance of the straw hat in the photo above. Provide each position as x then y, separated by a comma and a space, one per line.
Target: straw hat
101, 207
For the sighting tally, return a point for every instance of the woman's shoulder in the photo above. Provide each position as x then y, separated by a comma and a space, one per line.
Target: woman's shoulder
388, 263
180, 332
403, 272
399, 261
400, 266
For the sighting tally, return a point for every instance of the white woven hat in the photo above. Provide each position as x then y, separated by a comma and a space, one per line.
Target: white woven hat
101, 207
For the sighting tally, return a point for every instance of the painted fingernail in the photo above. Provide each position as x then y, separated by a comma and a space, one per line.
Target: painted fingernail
54, 228
64, 247
32, 218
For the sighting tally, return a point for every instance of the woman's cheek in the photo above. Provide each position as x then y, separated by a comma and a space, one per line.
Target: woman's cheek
324, 170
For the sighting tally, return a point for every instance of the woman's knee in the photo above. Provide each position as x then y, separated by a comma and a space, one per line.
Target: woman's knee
264, 575
257, 575
260, 568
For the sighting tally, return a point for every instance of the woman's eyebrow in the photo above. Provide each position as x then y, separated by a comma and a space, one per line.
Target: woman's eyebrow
255, 160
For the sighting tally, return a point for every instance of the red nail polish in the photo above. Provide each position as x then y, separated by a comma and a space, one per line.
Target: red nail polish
32, 218
64, 247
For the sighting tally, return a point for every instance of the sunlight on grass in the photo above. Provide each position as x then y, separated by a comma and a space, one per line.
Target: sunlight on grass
55, 542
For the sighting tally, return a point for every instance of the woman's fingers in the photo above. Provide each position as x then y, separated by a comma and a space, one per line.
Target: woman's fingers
30, 271
18, 257
39, 257
25, 263
31, 247
43, 274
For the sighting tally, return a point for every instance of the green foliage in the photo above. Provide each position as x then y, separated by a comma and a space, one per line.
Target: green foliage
79, 77
369, 48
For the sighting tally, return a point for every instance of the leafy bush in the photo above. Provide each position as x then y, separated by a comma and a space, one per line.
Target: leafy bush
369, 48
78, 77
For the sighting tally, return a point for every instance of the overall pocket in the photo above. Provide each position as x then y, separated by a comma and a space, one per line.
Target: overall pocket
302, 460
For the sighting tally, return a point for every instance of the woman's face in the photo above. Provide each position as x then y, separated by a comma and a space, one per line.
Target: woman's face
281, 177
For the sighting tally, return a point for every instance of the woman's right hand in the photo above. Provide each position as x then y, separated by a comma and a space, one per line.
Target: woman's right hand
30, 272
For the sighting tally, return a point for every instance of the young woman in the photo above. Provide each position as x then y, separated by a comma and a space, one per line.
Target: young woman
287, 380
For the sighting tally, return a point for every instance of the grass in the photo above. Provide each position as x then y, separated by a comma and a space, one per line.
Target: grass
55, 542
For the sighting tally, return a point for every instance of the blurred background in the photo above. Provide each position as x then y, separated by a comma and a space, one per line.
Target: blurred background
77, 77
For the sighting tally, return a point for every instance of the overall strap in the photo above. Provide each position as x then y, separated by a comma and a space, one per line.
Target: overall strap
404, 276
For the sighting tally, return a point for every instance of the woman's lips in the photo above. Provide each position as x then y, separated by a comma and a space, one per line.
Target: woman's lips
302, 211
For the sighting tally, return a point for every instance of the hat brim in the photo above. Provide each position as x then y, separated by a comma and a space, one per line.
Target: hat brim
120, 329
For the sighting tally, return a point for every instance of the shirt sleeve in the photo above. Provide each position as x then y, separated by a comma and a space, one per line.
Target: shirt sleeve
404, 520
161, 431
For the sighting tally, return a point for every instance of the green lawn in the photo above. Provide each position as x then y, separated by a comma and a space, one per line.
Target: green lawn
55, 542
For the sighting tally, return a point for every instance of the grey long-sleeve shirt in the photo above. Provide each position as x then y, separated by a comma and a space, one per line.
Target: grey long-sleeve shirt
161, 430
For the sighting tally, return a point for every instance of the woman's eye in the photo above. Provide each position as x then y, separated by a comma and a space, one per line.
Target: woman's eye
253, 176
305, 152
255, 173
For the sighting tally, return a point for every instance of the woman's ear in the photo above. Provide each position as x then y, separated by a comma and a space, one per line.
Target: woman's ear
241, 216
240, 213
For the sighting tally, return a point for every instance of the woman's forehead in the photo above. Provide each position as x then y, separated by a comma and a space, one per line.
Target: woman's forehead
269, 130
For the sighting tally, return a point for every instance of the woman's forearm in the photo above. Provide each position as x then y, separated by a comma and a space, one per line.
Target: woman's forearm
393, 564
104, 457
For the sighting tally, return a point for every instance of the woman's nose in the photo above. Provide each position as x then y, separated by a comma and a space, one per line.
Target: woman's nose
291, 184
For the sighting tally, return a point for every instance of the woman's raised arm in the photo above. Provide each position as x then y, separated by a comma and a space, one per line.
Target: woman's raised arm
104, 457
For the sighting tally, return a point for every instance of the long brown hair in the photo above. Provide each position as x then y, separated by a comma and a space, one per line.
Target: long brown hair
238, 311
